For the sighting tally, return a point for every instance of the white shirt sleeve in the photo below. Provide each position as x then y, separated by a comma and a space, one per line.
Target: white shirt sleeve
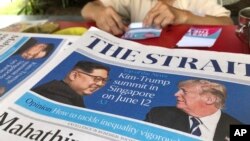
202, 7
120, 6
133, 10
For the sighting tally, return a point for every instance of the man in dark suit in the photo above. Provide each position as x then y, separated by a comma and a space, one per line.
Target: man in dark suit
201, 100
84, 79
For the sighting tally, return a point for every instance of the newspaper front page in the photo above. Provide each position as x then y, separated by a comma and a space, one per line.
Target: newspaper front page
22, 55
134, 92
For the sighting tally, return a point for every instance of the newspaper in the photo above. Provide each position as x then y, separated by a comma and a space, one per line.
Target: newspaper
20, 58
140, 78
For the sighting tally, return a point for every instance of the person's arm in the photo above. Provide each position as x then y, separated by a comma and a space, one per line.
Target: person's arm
208, 20
163, 14
106, 18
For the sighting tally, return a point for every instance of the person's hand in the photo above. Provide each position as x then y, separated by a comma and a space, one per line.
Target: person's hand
163, 14
109, 21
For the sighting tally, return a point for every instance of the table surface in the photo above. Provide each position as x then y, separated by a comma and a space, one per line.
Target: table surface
227, 41
10, 19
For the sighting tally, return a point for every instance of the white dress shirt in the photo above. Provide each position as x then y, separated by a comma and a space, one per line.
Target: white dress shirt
208, 125
136, 10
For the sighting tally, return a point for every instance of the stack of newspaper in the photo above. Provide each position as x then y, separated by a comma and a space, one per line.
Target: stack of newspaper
126, 96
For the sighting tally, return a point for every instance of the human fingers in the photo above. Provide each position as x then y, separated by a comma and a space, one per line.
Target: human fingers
165, 16
103, 27
159, 16
166, 22
106, 26
107, 21
114, 27
156, 7
113, 21
119, 21
148, 20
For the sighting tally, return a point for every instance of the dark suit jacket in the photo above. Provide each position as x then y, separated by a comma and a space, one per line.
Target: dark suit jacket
177, 119
60, 92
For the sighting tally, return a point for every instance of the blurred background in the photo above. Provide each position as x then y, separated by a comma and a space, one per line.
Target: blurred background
41, 7
61, 7
73, 7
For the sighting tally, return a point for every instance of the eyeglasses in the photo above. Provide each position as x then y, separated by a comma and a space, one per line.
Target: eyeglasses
96, 79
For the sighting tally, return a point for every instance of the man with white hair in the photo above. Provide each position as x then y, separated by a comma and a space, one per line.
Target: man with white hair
198, 111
